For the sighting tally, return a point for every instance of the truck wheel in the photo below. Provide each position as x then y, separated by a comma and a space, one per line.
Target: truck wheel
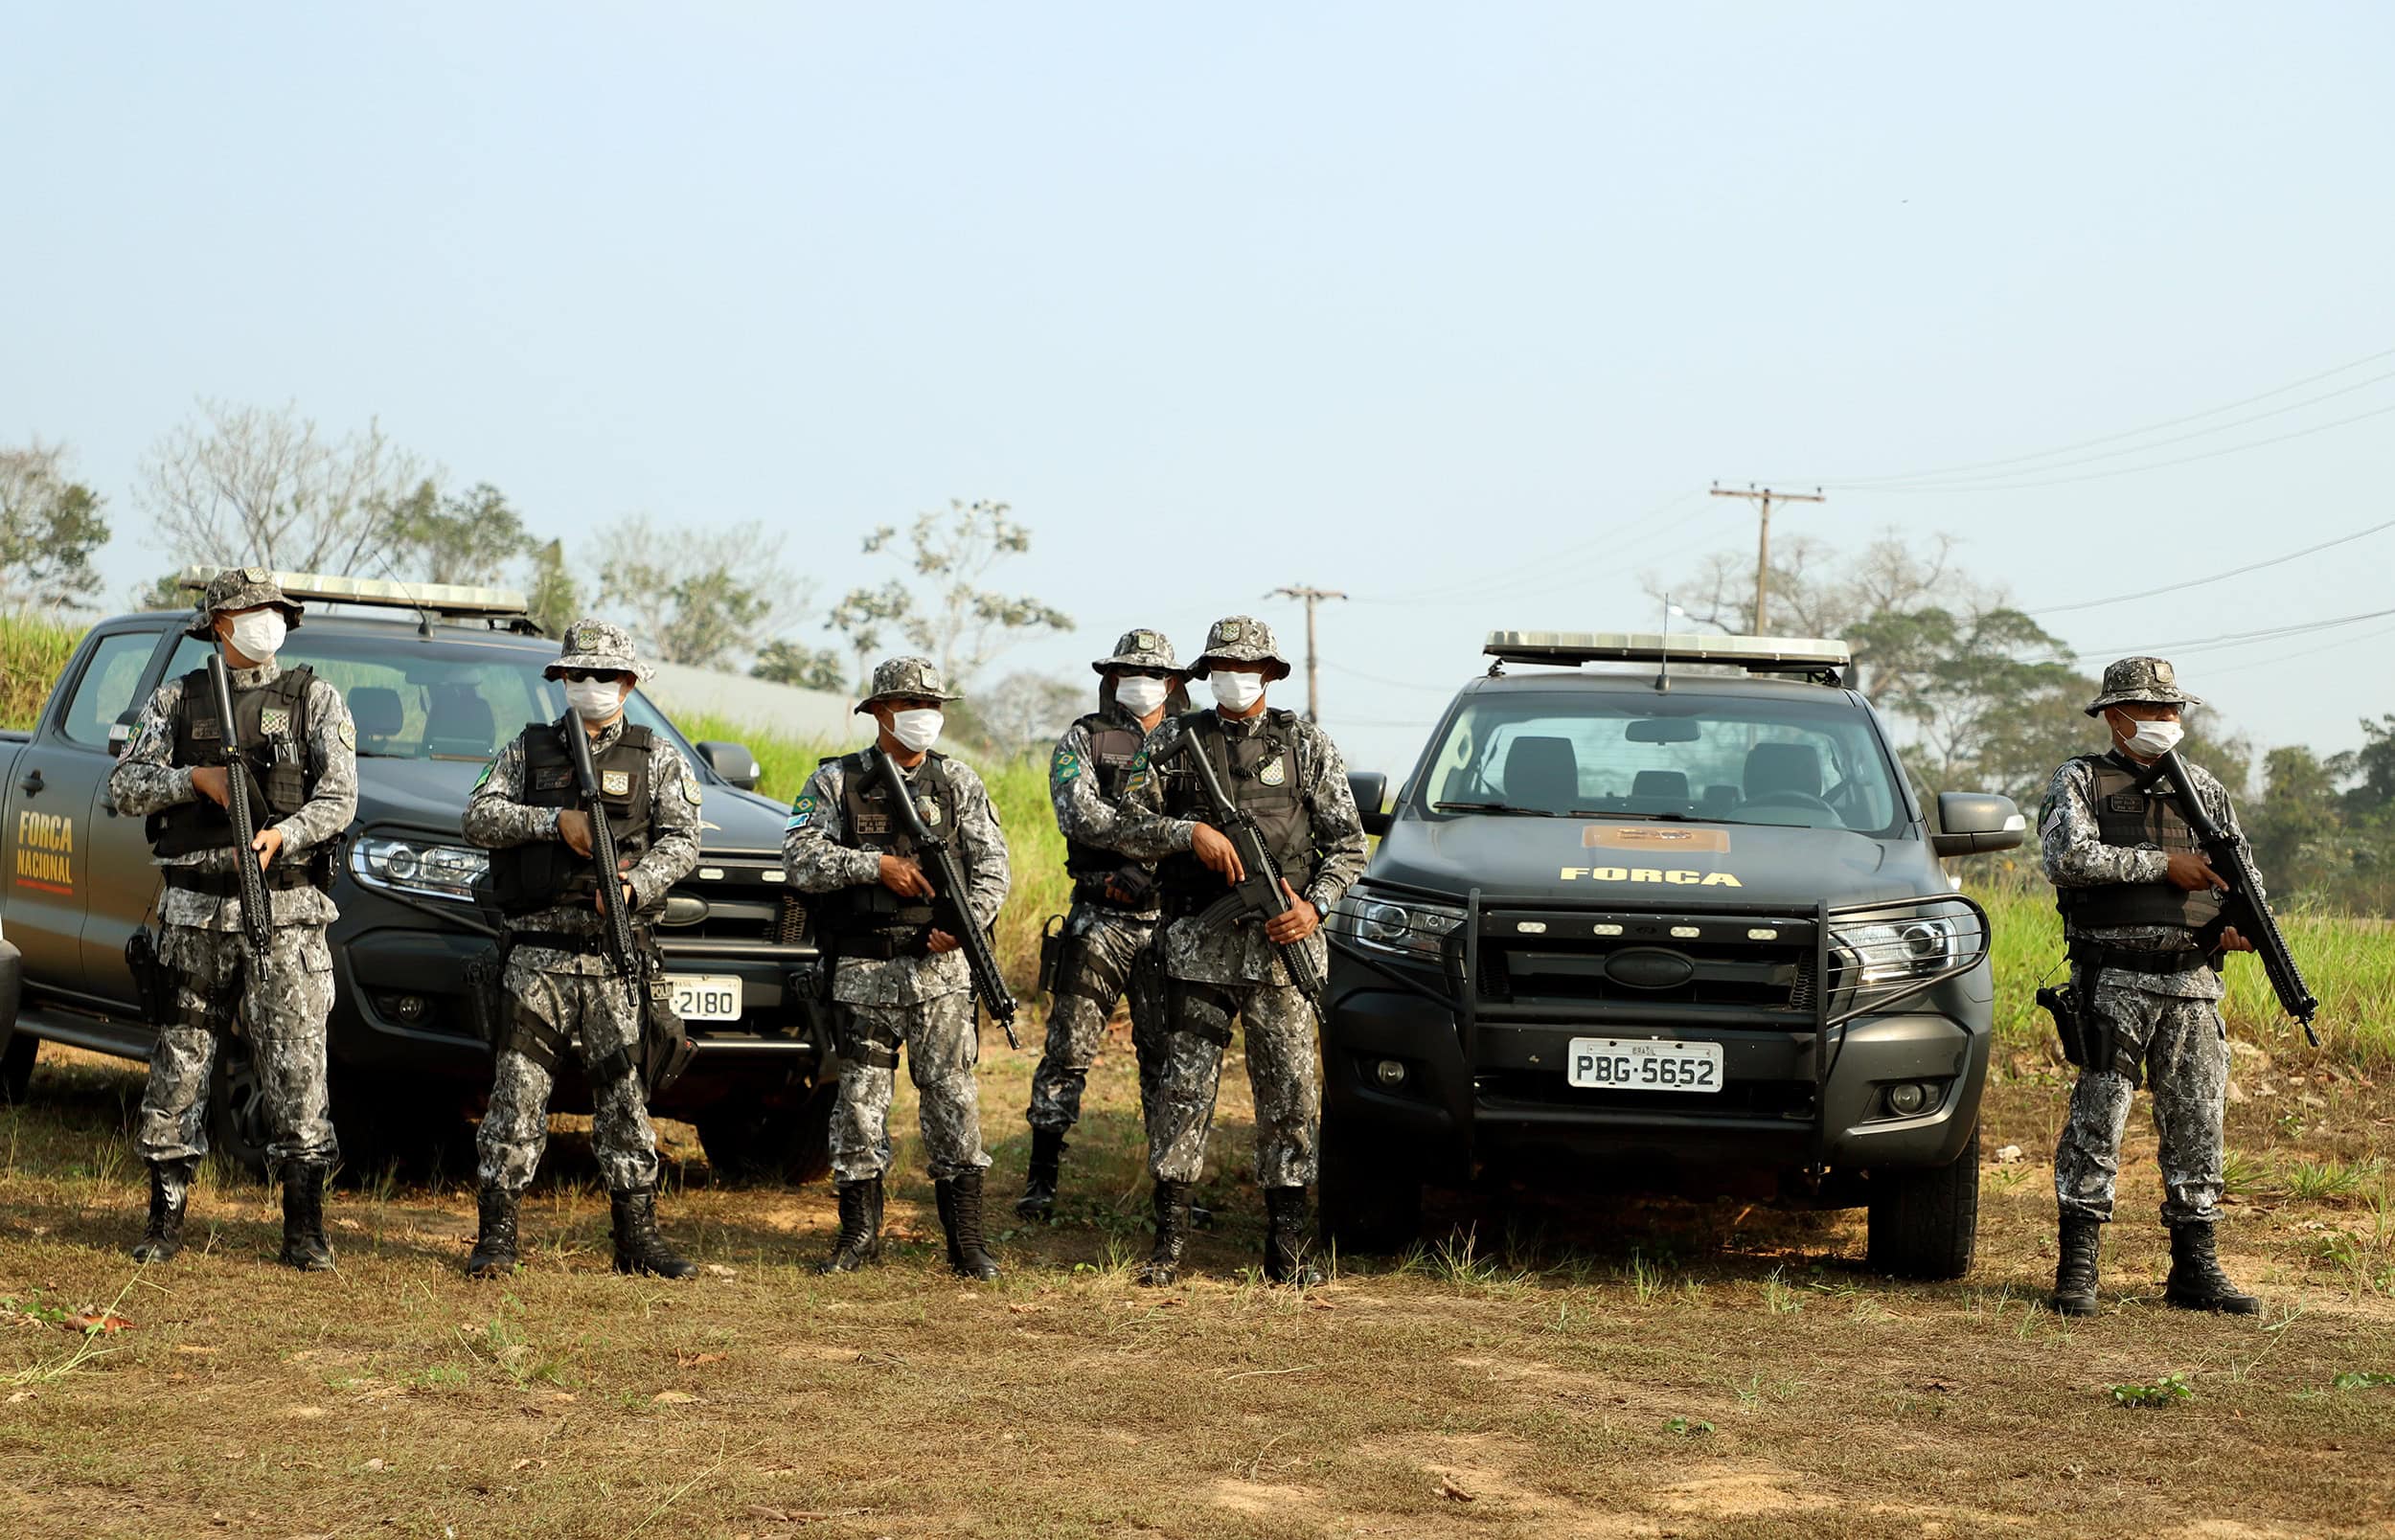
17, 1051
1371, 1193
237, 1107
789, 1143
1924, 1224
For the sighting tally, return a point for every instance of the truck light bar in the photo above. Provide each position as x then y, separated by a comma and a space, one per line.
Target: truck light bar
440, 599
1759, 654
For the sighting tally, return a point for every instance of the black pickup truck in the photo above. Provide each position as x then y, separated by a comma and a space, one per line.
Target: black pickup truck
437, 679
1683, 926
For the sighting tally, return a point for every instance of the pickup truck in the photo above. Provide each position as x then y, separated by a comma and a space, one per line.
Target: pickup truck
437, 677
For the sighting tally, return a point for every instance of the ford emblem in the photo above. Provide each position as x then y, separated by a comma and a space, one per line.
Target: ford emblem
683, 909
1649, 968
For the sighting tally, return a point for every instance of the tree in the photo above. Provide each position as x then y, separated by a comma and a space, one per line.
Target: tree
952, 619
552, 594
1023, 712
701, 599
49, 527
788, 663
456, 538
242, 484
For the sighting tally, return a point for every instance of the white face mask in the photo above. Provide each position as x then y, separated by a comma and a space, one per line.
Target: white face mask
1139, 694
918, 729
258, 634
594, 700
1235, 692
2153, 739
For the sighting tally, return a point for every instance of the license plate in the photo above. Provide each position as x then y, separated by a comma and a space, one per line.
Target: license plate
705, 996
1645, 1064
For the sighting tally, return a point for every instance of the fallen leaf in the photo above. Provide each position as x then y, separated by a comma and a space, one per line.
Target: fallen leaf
95, 1321
693, 1360
376, 1464
1022, 1309
718, 1270
304, 1411
528, 1463
772, 1515
674, 1398
2008, 1155
1452, 1492
15, 1396
347, 1224
191, 1347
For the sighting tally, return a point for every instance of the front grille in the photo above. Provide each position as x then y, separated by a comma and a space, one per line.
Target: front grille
735, 898
1556, 959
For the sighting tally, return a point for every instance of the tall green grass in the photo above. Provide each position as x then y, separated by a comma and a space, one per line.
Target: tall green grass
33, 649
2349, 963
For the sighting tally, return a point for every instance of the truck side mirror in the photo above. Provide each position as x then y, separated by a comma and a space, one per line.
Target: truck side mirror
733, 762
1371, 788
1975, 822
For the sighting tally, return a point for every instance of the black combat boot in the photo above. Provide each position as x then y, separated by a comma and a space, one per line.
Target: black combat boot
494, 1248
1047, 1151
169, 1195
2075, 1268
1171, 1211
2197, 1282
638, 1246
1288, 1239
303, 1243
960, 1215
860, 1228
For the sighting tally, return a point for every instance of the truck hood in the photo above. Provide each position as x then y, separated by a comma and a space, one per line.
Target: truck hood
1585, 860
430, 794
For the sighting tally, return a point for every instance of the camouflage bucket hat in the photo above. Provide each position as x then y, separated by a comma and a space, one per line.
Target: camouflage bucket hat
597, 645
901, 677
240, 588
2141, 679
1241, 639
1141, 650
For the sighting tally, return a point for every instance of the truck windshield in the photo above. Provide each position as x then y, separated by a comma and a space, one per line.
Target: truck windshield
434, 700
1808, 763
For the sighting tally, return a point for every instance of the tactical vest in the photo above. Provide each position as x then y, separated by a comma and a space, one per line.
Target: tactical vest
2128, 818
272, 731
868, 824
545, 873
1259, 772
1112, 747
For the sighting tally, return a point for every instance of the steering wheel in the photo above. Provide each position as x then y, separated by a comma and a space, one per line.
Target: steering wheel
1788, 799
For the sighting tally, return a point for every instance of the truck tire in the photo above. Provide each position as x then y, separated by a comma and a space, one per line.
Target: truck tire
238, 1126
17, 1051
788, 1142
413, 1123
1371, 1192
1925, 1224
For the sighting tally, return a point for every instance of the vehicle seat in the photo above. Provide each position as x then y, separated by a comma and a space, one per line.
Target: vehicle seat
1717, 802
1782, 767
1542, 773
374, 711
1658, 791
458, 721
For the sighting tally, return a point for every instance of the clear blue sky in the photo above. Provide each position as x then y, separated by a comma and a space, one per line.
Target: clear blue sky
1394, 299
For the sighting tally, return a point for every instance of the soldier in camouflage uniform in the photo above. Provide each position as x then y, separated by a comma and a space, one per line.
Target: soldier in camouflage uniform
562, 985
1106, 944
1286, 774
899, 983
2141, 915
296, 740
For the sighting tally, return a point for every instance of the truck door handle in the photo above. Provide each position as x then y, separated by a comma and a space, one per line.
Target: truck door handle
31, 783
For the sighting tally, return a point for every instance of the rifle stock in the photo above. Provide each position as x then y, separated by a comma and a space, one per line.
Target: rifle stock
256, 921
1261, 891
949, 909
2244, 908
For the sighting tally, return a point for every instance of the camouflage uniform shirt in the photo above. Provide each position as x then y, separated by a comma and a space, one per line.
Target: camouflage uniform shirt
1082, 810
146, 781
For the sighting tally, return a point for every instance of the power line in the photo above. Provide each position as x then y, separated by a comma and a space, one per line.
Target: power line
2218, 640
2217, 576
1311, 596
1763, 497
2111, 437
2305, 652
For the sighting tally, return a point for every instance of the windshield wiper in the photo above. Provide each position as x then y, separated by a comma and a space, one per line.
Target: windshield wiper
1490, 808
1665, 818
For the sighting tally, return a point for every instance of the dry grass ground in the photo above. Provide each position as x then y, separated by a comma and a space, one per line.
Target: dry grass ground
1611, 1367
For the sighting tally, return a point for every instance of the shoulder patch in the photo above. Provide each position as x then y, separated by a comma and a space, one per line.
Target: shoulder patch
801, 811
690, 793
1065, 767
349, 740
480, 781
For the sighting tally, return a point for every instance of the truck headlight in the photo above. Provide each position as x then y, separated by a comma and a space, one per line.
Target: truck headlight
1404, 927
415, 866
1885, 952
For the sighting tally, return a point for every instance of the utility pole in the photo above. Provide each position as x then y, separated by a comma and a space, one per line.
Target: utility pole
1764, 497
1312, 597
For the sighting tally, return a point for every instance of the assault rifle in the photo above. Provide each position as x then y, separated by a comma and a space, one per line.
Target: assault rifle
949, 911
257, 919
2243, 905
623, 949
1261, 891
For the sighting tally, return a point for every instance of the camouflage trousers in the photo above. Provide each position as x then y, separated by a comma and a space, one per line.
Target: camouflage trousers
2181, 1047
1281, 1075
280, 1008
552, 1010
942, 1044
1106, 953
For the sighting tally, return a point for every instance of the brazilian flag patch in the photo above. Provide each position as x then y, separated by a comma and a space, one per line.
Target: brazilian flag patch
1065, 768
801, 811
